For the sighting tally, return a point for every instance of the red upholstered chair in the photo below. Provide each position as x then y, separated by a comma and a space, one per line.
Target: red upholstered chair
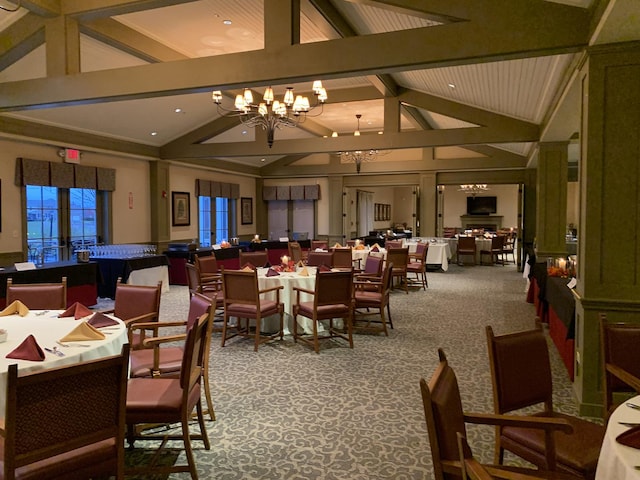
418, 266
160, 360
39, 296
332, 299
135, 304
496, 252
372, 267
65, 422
392, 244
296, 253
466, 247
372, 294
620, 360
446, 419
321, 244
171, 400
316, 259
208, 270
521, 377
212, 290
257, 259
242, 300
342, 258
400, 259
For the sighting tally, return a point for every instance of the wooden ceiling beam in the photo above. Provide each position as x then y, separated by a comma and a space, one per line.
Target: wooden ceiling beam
21, 38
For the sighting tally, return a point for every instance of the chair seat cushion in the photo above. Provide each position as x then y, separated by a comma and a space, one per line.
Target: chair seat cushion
157, 400
417, 267
94, 459
577, 452
368, 299
267, 307
336, 310
141, 361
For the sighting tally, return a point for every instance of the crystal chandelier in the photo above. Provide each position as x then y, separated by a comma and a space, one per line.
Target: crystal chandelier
271, 114
358, 156
474, 188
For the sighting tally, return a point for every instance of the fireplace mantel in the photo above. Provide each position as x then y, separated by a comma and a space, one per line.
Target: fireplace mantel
488, 222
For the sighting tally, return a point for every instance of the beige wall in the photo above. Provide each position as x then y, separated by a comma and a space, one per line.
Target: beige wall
455, 204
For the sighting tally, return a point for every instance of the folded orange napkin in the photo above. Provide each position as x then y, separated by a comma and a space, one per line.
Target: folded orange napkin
324, 268
82, 332
99, 320
630, 438
77, 311
248, 267
271, 273
15, 307
300, 263
27, 350
304, 272
337, 245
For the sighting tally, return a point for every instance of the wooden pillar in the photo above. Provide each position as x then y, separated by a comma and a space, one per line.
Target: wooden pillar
609, 228
551, 218
428, 205
159, 190
335, 194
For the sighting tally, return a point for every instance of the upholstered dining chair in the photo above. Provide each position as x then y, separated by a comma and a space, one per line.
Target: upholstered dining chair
466, 247
318, 244
316, 259
134, 304
208, 269
620, 361
212, 290
521, 377
296, 253
495, 252
400, 259
169, 401
342, 258
372, 267
244, 300
65, 422
332, 299
373, 294
159, 360
509, 247
417, 266
392, 244
446, 419
257, 259
39, 296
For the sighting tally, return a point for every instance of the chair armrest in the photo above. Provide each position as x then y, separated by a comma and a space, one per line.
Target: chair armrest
266, 290
2, 430
140, 318
153, 341
522, 421
150, 325
626, 377
304, 290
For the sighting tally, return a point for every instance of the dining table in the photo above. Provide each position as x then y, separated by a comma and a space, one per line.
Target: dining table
618, 461
48, 329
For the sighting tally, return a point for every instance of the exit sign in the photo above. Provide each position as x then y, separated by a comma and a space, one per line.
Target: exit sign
71, 155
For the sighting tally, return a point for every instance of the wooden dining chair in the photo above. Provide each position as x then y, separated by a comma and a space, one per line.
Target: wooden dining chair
208, 270
400, 259
38, 296
393, 244
244, 300
332, 299
466, 247
373, 294
318, 244
65, 422
620, 361
317, 259
213, 290
521, 377
417, 266
257, 259
296, 253
342, 258
495, 252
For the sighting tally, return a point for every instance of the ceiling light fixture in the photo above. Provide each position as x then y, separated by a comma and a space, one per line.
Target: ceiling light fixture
271, 114
474, 188
359, 156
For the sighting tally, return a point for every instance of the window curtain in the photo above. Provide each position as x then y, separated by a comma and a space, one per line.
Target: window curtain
365, 213
63, 175
209, 188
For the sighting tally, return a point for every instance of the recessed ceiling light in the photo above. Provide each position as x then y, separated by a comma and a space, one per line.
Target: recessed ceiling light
262, 159
178, 110
380, 132
451, 85
244, 132
227, 22
153, 134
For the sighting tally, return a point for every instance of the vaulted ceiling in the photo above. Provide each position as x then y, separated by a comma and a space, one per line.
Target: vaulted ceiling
469, 83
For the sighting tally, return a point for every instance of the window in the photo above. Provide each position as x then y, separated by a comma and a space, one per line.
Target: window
61, 221
216, 220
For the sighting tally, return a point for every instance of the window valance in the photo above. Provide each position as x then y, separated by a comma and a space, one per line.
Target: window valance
294, 192
63, 175
209, 188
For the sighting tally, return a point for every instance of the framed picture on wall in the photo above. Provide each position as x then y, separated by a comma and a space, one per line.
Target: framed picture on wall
180, 209
246, 211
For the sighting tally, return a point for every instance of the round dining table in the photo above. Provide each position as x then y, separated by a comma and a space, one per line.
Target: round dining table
48, 329
617, 461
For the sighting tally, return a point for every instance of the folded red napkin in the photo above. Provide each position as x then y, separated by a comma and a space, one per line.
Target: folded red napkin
27, 350
271, 273
248, 266
324, 268
267, 265
630, 438
100, 320
375, 249
77, 311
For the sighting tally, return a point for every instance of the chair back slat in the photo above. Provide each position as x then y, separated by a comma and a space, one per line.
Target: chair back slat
198, 305
316, 259
373, 265
194, 354
342, 258
207, 264
135, 300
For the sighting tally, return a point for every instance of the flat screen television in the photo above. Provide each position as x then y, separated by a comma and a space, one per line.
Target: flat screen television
481, 205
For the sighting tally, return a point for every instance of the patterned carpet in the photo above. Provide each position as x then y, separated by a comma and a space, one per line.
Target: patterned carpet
288, 413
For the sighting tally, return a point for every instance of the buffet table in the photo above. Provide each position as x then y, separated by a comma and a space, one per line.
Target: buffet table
144, 270
82, 280
619, 461
47, 328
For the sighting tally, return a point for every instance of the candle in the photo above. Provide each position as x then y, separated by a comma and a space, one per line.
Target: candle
562, 263
285, 260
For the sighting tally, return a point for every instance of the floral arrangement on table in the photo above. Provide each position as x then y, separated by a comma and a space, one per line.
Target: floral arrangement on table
286, 265
561, 267
358, 245
255, 239
224, 244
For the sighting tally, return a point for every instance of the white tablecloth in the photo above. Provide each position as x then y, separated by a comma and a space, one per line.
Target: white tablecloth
47, 328
618, 461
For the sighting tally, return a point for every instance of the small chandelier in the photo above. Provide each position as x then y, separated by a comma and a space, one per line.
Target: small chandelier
474, 188
358, 156
271, 114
